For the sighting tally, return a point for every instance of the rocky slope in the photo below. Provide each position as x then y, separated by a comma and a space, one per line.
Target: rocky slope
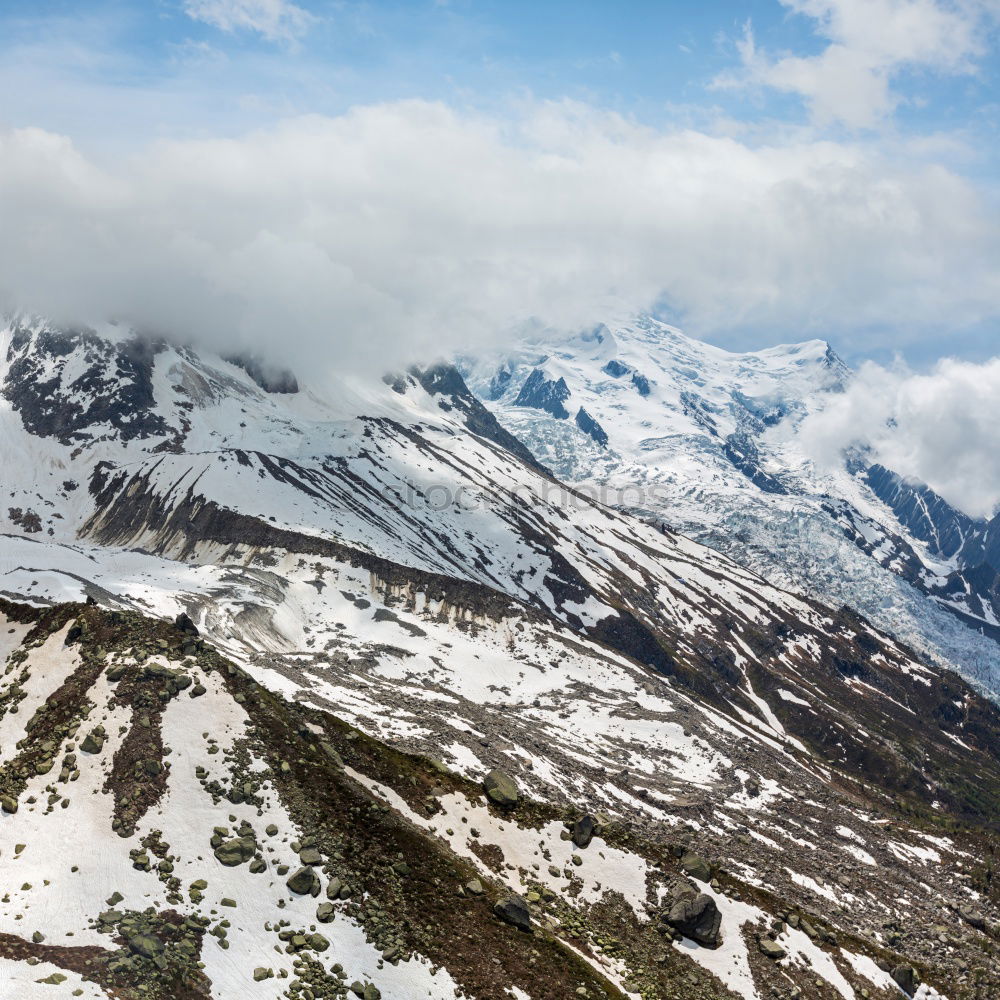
172, 828
393, 600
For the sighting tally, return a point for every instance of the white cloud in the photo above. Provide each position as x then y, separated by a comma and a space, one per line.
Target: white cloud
276, 20
939, 428
400, 230
869, 43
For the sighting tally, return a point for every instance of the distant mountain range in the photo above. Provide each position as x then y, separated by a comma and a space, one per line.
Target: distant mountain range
708, 442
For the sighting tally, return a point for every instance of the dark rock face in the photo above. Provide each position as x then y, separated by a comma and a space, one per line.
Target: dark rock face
591, 427
971, 592
616, 369
184, 623
109, 386
541, 393
641, 384
499, 384
270, 378
743, 453
984, 546
446, 381
926, 515
698, 918
701, 412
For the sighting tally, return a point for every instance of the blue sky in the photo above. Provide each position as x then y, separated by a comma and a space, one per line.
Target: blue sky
870, 125
659, 61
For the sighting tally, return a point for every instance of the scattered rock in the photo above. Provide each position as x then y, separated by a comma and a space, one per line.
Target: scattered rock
696, 866
972, 917
184, 623
235, 852
304, 881
771, 949
93, 742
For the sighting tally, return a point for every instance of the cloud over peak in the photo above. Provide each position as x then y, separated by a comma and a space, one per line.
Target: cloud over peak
938, 428
397, 230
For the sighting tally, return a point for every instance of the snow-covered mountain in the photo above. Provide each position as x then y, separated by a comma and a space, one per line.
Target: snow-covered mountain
266, 638
708, 442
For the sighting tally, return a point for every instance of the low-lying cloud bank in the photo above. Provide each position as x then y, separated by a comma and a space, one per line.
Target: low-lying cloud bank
401, 230
941, 428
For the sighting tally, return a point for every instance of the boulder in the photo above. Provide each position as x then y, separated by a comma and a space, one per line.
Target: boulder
696, 866
93, 742
906, 978
235, 852
770, 948
698, 918
144, 944
501, 789
184, 623
583, 831
972, 917
513, 910
304, 881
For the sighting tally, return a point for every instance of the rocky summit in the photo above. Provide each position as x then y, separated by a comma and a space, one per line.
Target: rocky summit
341, 692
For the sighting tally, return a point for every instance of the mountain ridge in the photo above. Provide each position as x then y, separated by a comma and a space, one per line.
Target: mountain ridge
373, 564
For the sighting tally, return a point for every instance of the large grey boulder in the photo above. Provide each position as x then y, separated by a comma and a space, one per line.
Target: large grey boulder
93, 742
698, 918
770, 948
501, 789
514, 911
972, 917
